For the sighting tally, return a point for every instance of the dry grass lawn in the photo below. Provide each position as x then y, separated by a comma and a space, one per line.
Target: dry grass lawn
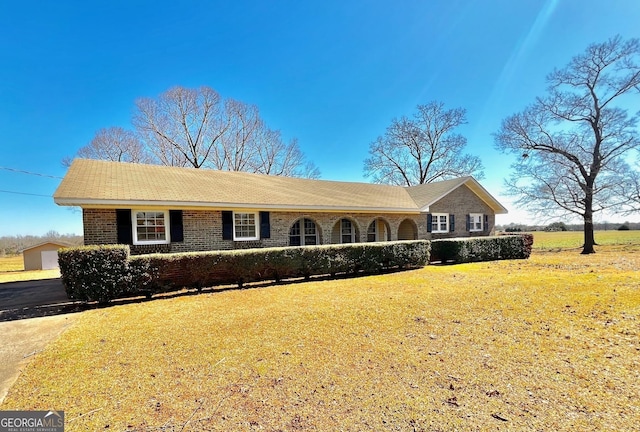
12, 270
549, 343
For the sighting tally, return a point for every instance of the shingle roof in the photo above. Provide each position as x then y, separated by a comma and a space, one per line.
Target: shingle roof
103, 183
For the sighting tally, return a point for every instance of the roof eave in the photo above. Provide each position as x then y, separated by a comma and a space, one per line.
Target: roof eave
102, 203
476, 188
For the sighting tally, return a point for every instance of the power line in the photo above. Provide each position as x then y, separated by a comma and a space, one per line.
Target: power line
24, 193
29, 172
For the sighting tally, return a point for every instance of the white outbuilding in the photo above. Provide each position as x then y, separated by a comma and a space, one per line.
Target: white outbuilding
43, 256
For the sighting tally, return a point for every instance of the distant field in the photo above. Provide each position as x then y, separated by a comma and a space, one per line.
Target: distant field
11, 263
546, 241
12, 270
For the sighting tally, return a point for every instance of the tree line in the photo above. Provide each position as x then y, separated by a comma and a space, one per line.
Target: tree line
13, 245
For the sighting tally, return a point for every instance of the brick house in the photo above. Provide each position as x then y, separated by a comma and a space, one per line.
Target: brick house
169, 209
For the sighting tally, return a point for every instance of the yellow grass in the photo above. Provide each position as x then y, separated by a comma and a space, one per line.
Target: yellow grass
12, 270
549, 343
11, 263
575, 239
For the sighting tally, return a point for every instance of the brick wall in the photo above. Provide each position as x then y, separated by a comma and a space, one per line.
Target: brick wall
461, 202
99, 226
202, 229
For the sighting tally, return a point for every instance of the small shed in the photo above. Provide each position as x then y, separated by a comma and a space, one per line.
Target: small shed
43, 256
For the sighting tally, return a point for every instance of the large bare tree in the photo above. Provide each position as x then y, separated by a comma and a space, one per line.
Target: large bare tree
198, 128
422, 149
572, 143
182, 127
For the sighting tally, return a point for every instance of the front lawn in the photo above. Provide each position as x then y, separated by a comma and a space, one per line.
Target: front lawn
12, 270
549, 343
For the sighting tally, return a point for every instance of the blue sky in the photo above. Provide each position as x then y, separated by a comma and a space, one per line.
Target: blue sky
331, 73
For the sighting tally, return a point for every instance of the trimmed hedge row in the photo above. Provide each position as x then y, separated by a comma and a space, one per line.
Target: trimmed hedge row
462, 250
103, 273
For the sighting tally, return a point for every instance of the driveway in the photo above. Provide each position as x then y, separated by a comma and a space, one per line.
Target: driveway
29, 299
25, 327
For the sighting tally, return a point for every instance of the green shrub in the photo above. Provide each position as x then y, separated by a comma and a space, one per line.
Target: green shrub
95, 273
102, 273
475, 249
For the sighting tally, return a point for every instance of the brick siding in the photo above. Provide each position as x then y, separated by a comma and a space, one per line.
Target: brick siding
202, 229
461, 202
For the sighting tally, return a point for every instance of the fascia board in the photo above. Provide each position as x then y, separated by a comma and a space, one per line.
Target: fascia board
99, 203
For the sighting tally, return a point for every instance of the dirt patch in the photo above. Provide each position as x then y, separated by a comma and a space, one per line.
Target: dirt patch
22, 339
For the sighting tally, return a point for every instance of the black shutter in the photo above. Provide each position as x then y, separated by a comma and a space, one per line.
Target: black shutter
468, 222
452, 223
176, 229
486, 223
227, 225
429, 222
265, 226
124, 226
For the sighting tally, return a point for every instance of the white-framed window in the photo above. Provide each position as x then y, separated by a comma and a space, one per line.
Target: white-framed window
150, 226
303, 233
475, 222
245, 226
439, 223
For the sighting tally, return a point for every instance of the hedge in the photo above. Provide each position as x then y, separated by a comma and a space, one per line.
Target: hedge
103, 273
95, 273
462, 250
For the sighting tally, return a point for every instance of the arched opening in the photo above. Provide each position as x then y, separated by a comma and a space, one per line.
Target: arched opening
378, 231
304, 232
407, 230
345, 231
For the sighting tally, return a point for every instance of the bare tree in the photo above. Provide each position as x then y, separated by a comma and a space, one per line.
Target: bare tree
276, 157
114, 144
198, 128
182, 126
239, 142
629, 190
571, 145
422, 149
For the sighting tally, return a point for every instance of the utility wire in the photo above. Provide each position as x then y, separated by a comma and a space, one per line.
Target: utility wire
24, 193
29, 172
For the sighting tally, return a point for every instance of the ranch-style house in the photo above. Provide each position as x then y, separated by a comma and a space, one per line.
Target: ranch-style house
169, 209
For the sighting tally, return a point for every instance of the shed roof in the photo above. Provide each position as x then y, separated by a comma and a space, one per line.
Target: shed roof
56, 244
94, 183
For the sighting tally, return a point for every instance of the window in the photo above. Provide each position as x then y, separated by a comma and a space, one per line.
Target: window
244, 226
308, 236
347, 233
378, 231
475, 222
150, 227
440, 223
372, 232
